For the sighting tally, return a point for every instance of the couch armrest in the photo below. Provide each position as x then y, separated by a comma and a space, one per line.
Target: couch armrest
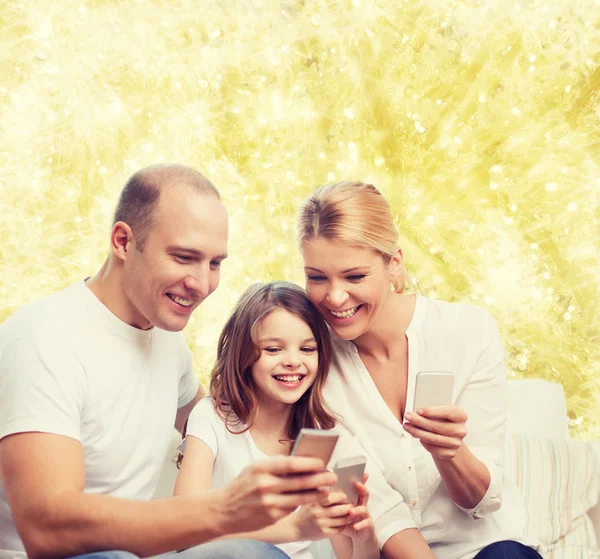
594, 514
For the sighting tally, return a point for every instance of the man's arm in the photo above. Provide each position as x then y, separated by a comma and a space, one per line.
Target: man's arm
184, 412
407, 544
44, 478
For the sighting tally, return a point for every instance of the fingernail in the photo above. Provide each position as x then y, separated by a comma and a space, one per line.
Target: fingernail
409, 416
420, 411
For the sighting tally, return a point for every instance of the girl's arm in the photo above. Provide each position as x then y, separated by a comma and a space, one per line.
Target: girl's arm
358, 541
196, 468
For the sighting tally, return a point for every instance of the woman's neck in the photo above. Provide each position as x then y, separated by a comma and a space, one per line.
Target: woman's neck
381, 340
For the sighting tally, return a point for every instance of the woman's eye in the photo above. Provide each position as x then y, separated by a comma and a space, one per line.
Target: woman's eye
183, 257
315, 278
356, 277
215, 265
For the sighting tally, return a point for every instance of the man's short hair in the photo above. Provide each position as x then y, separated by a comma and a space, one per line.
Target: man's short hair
142, 191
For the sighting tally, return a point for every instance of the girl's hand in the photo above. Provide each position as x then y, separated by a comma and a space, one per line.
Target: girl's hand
321, 520
361, 529
441, 429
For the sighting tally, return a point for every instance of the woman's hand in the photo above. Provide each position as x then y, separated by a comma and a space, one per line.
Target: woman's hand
323, 519
441, 429
361, 529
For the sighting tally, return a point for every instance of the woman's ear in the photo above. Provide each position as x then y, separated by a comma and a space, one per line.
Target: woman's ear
396, 266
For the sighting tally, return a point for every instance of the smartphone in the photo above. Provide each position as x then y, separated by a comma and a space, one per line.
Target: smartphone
348, 471
316, 443
433, 388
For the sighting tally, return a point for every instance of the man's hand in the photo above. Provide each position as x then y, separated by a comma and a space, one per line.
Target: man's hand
269, 490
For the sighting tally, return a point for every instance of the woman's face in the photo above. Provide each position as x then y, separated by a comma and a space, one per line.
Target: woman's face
349, 285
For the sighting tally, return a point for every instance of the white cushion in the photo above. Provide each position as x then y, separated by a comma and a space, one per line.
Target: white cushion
559, 482
537, 408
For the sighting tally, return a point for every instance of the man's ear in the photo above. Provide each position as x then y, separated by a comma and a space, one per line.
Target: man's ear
121, 240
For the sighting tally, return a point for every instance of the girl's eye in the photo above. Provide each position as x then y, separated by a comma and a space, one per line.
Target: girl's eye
309, 349
316, 278
272, 349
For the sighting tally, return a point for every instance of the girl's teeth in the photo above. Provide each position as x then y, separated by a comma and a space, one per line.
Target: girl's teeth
289, 379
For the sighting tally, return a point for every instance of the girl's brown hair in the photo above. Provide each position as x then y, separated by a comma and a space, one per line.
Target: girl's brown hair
231, 385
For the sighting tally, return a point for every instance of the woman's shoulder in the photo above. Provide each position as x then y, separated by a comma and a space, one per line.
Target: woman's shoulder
436, 313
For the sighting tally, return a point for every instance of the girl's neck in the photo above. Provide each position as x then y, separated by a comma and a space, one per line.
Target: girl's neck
271, 420
381, 340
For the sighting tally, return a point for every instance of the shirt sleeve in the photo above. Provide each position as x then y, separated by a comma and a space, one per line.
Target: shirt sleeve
200, 426
188, 383
484, 398
387, 507
42, 389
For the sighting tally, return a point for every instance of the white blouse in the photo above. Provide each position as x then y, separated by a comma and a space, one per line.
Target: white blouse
452, 337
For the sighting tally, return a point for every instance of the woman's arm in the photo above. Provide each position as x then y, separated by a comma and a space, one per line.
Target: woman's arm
470, 455
407, 544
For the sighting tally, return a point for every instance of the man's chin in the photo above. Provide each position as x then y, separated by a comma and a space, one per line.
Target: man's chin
173, 324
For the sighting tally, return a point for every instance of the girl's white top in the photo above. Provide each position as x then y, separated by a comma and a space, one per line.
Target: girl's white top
234, 451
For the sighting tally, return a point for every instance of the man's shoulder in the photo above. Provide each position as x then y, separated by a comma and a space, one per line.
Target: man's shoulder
53, 315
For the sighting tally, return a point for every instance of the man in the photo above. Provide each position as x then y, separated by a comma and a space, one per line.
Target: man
92, 380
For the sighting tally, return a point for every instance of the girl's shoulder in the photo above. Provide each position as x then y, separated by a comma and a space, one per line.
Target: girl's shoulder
204, 410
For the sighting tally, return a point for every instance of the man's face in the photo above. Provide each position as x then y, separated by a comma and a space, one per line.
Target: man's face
180, 264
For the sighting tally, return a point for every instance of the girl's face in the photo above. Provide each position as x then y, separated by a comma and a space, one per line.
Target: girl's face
348, 285
288, 360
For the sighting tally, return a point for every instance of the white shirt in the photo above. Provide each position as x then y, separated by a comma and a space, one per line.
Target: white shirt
234, 451
70, 367
442, 336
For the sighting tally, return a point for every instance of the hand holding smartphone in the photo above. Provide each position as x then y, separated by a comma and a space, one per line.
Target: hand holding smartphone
349, 471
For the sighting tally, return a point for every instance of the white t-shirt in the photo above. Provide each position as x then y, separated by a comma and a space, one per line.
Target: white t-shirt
234, 451
68, 366
452, 337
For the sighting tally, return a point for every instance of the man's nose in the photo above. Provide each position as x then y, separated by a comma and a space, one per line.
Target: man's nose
198, 281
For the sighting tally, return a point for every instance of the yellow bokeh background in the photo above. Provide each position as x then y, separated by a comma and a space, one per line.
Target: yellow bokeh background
478, 120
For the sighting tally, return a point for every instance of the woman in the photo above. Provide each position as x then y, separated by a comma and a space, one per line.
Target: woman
446, 461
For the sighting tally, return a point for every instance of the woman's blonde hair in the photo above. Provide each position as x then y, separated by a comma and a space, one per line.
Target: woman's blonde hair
354, 213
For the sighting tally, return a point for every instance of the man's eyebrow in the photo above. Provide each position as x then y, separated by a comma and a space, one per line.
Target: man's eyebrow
195, 252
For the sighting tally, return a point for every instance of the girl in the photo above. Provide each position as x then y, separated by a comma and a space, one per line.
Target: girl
448, 470
272, 360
